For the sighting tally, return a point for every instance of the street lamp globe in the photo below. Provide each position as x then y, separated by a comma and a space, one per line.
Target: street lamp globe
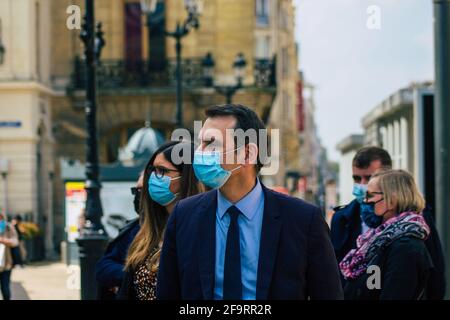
148, 6
239, 65
208, 69
194, 7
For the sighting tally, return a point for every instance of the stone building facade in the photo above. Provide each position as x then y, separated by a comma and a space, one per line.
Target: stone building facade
42, 85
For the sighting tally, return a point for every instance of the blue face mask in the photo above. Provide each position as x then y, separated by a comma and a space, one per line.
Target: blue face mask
3, 226
368, 214
359, 191
208, 170
159, 189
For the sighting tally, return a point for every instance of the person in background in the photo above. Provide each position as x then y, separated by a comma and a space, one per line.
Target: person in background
393, 248
165, 182
348, 223
8, 240
242, 241
19, 253
109, 269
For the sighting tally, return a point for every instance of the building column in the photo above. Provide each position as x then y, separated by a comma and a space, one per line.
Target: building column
49, 239
397, 150
390, 139
404, 143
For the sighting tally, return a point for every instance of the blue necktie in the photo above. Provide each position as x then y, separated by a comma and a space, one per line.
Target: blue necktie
232, 283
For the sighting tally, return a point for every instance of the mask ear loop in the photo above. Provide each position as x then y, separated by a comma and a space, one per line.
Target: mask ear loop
240, 166
175, 194
384, 211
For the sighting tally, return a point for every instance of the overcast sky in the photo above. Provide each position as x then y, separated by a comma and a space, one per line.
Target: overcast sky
354, 67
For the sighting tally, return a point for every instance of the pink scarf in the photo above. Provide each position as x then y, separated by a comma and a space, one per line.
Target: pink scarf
370, 244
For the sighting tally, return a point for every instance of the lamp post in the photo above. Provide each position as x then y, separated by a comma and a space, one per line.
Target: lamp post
194, 8
4, 169
93, 238
441, 128
239, 65
2, 47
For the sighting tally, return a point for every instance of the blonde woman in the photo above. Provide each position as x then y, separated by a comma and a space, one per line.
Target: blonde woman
391, 261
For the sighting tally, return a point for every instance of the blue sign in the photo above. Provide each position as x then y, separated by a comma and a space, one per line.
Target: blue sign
10, 124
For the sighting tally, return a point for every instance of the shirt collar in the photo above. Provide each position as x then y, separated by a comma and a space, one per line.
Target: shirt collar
248, 205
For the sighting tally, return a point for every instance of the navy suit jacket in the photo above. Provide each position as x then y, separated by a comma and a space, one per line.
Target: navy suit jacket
296, 257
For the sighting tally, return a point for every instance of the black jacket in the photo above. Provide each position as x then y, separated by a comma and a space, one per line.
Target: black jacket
346, 227
405, 267
126, 291
109, 269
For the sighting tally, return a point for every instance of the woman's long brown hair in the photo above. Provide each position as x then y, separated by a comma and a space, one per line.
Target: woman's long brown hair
154, 216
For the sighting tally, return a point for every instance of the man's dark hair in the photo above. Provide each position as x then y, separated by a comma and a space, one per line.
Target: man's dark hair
365, 156
246, 119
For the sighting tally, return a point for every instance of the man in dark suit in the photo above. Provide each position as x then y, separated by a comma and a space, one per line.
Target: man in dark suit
242, 240
347, 225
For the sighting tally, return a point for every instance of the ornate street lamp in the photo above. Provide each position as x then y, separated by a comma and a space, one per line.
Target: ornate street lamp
93, 238
194, 9
239, 65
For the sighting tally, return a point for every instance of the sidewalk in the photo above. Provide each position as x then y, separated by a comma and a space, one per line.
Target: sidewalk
45, 281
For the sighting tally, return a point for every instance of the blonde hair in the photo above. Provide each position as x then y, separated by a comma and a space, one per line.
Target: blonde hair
399, 189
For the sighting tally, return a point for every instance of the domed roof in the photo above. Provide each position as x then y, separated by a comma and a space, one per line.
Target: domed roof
142, 144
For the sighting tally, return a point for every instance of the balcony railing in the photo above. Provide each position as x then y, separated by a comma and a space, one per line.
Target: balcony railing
265, 72
122, 74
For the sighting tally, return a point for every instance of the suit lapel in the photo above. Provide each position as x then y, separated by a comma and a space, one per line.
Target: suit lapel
270, 235
207, 244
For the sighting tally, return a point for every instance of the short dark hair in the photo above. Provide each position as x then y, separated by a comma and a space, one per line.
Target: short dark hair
365, 156
246, 119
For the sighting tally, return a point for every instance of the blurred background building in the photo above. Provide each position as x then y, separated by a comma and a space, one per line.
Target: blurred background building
42, 78
403, 125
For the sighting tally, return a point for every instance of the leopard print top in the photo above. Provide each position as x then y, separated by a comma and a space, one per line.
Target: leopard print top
145, 281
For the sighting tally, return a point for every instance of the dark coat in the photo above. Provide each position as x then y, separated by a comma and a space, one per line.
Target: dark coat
296, 258
346, 227
405, 267
109, 269
127, 291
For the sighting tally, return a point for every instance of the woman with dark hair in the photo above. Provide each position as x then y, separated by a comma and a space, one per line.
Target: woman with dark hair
168, 178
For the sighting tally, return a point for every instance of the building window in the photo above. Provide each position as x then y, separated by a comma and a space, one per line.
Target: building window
262, 47
283, 19
133, 34
262, 12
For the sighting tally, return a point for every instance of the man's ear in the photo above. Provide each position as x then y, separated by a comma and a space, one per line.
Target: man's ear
251, 154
